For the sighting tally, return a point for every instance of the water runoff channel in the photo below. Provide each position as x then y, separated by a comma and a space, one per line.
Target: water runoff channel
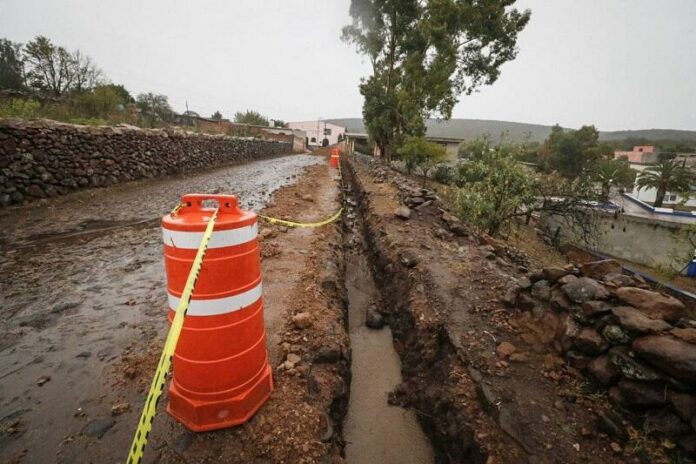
374, 431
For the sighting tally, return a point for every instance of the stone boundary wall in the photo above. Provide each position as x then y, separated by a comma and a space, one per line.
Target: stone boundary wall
42, 158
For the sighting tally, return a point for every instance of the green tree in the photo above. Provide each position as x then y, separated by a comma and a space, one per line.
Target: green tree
102, 100
493, 189
475, 149
424, 55
613, 173
11, 65
667, 176
216, 115
251, 117
19, 108
154, 107
573, 152
53, 69
417, 152
279, 123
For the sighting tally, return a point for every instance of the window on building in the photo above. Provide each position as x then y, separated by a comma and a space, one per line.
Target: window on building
327, 131
671, 197
313, 140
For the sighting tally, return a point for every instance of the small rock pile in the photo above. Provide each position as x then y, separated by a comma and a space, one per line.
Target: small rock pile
636, 342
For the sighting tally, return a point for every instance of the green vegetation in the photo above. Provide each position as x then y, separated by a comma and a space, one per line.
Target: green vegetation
424, 55
493, 189
417, 152
667, 176
11, 65
41, 79
154, 108
612, 173
216, 115
573, 152
251, 117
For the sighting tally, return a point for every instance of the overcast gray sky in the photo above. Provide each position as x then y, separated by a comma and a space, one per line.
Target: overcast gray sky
620, 64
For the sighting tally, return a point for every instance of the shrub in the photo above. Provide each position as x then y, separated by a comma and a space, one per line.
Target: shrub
443, 173
19, 108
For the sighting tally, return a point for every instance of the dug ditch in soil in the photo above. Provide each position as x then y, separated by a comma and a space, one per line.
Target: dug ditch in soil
485, 387
374, 431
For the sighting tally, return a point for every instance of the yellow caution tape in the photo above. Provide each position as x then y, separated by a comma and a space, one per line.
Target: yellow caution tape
331, 219
149, 410
273, 220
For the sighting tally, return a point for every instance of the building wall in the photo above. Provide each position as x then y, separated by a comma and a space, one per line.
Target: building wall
310, 128
640, 240
644, 154
43, 158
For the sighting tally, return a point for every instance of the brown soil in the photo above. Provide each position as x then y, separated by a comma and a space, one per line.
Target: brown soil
301, 272
84, 319
447, 317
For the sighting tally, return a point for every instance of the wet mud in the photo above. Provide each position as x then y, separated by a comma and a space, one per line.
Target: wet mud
81, 279
374, 430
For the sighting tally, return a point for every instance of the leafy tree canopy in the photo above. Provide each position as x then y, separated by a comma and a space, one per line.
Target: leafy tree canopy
216, 115
154, 106
424, 55
573, 152
11, 65
54, 70
613, 173
417, 152
251, 117
668, 175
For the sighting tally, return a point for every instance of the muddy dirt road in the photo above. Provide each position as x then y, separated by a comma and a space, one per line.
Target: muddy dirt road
81, 279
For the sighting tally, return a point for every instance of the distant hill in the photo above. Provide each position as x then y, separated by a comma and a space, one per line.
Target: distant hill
518, 131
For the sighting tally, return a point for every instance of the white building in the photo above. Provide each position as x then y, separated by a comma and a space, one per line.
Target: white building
319, 130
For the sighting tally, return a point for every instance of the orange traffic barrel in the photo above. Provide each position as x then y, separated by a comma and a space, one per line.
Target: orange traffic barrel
221, 374
334, 158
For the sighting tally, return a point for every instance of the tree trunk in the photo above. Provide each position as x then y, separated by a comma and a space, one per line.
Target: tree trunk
659, 197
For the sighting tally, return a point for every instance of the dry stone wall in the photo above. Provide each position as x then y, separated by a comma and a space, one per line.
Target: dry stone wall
40, 159
633, 342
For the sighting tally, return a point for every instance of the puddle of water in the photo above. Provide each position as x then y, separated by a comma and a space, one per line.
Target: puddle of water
374, 431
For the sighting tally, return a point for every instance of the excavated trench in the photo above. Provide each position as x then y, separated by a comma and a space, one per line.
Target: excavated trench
404, 364
373, 431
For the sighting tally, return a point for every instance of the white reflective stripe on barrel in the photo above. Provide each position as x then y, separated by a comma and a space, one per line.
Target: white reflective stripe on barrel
219, 239
218, 306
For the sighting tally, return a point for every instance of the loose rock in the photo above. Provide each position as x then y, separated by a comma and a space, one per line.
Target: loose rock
671, 355
585, 289
652, 304
403, 212
590, 342
373, 318
505, 349
599, 269
302, 320
636, 321
602, 370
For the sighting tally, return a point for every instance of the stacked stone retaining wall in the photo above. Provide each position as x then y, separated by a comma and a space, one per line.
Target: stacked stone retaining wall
40, 159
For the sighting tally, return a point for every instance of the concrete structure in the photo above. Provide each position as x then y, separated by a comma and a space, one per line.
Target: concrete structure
227, 127
639, 239
319, 130
641, 154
